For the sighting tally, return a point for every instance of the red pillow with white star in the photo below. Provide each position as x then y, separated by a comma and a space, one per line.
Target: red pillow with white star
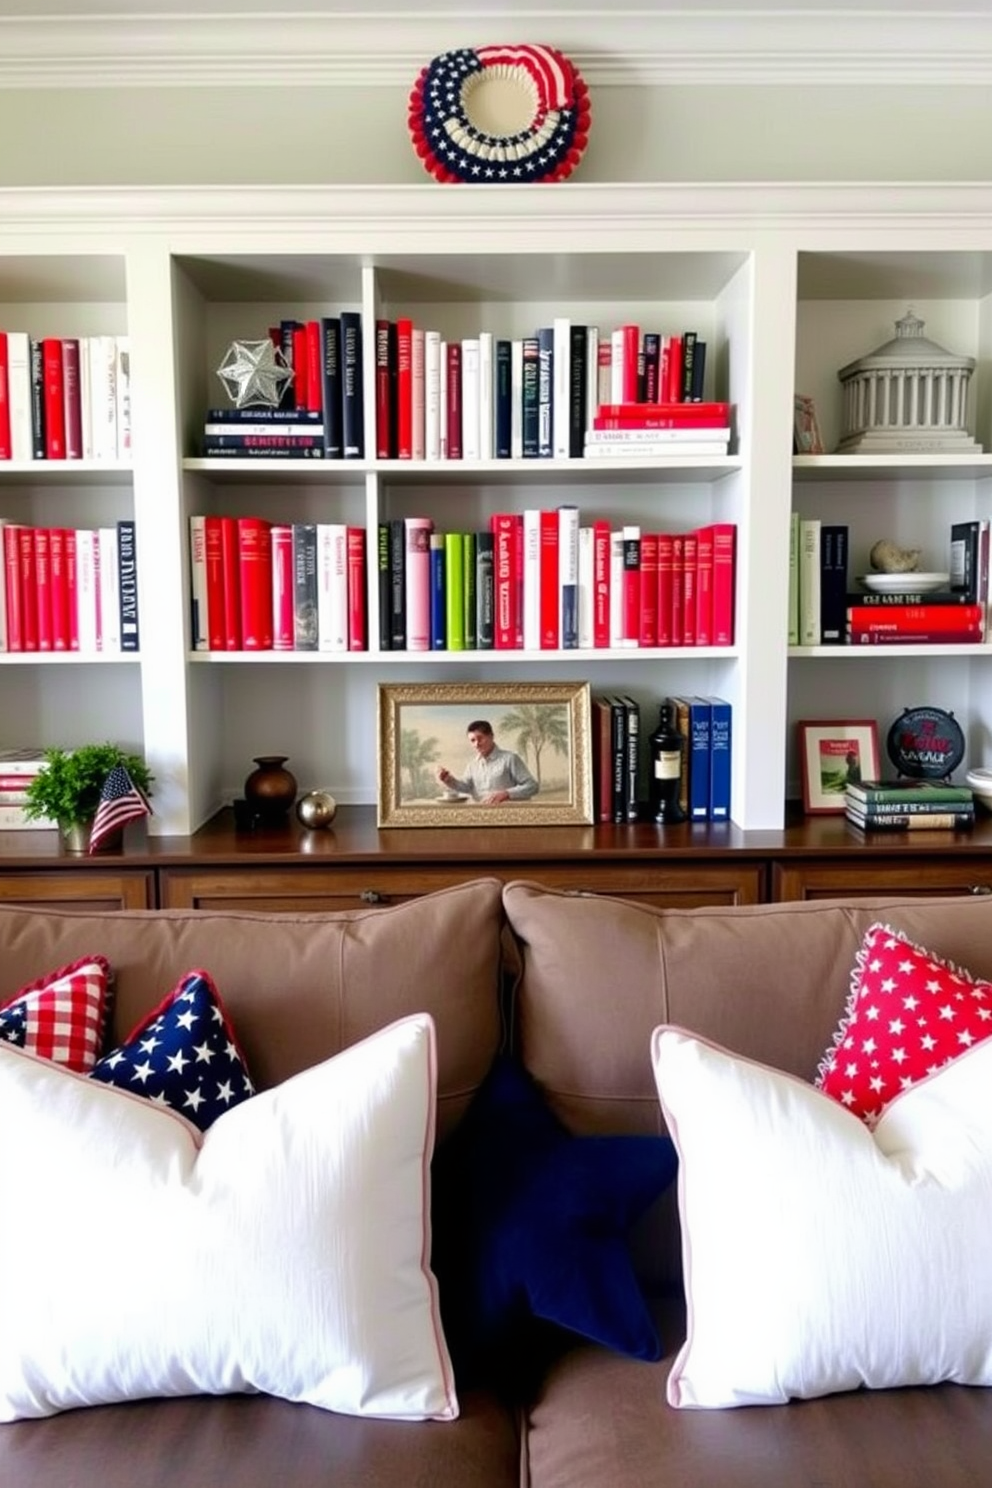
184, 1054
908, 1014
62, 1016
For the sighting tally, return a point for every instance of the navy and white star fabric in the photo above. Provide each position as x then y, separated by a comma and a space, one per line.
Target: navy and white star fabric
183, 1055
453, 148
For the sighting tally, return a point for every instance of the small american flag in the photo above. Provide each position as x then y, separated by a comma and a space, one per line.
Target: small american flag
120, 802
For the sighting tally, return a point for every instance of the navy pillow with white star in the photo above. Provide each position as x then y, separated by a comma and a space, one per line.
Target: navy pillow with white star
183, 1054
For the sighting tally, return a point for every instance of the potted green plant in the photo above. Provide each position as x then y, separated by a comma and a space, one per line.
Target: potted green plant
67, 790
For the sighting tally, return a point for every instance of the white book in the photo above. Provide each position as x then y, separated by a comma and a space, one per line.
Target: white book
616, 587
685, 434
19, 394
592, 374
443, 402
432, 395
122, 390
86, 396
561, 386
587, 587
532, 579
471, 432
486, 375
110, 595
616, 365
650, 450
568, 577
809, 581
88, 590
332, 586
199, 638
103, 395
13, 819
418, 392
516, 400
794, 579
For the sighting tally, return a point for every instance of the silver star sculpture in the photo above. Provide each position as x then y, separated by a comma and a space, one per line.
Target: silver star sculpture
254, 372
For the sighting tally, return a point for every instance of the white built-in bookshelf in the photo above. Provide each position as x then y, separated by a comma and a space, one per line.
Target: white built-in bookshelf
785, 284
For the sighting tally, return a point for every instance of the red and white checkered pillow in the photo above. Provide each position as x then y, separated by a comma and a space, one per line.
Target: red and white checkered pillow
62, 1016
908, 1014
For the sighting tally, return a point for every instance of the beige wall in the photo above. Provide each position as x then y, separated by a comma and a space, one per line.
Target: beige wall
171, 136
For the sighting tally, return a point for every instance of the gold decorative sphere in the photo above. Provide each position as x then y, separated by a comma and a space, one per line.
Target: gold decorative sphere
316, 809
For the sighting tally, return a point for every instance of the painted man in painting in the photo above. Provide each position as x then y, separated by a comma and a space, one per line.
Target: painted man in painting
492, 775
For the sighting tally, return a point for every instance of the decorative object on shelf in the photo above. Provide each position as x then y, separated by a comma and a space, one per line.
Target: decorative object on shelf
925, 743
499, 115
889, 558
92, 792
904, 583
907, 396
666, 748
832, 756
806, 438
270, 789
316, 810
484, 754
254, 374
979, 781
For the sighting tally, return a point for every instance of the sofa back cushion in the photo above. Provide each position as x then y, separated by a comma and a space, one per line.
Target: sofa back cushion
297, 987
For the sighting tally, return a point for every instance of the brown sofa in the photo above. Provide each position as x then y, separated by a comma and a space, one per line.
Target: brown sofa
592, 978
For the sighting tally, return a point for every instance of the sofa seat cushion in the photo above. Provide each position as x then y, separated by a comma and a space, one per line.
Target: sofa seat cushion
602, 1419
256, 1441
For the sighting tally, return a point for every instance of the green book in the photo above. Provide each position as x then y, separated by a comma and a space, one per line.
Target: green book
468, 590
894, 792
454, 560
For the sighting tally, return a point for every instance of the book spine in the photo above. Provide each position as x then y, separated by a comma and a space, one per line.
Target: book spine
199, 638
289, 451
257, 419
255, 571
304, 586
214, 557
545, 392
58, 579
649, 590
87, 590
418, 393
602, 580
486, 433
14, 819
724, 582
484, 591
698, 747
833, 583
875, 601
900, 791
618, 767
232, 584
331, 386
550, 603
470, 601
516, 399
530, 397
304, 438
454, 591
384, 587
652, 366
809, 581
127, 558
397, 583
586, 588
561, 388
632, 759
531, 523
19, 393
38, 443
916, 617
690, 547
964, 558
895, 807
384, 448
352, 391
471, 413
6, 441
432, 395
578, 390
454, 400
54, 395
315, 370
630, 612
281, 538
948, 821
602, 757
503, 400
662, 415
505, 581
332, 586
357, 601
568, 576
793, 620
43, 587
404, 388
666, 552
72, 405
418, 583
439, 599
704, 586
721, 730
915, 638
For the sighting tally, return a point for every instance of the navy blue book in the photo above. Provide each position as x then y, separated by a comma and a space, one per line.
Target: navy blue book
352, 385
127, 577
721, 731
330, 386
485, 593
439, 615
503, 399
385, 585
530, 377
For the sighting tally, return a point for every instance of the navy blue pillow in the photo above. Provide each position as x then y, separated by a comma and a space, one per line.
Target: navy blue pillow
529, 1234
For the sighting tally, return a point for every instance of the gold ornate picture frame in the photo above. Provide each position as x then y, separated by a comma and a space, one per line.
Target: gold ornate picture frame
425, 731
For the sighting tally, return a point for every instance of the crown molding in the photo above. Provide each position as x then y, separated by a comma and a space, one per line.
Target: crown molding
610, 48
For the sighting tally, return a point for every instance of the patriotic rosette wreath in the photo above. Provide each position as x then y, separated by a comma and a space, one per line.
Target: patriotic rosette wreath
458, 92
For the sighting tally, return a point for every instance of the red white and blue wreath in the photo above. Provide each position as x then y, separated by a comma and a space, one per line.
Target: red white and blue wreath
500, 115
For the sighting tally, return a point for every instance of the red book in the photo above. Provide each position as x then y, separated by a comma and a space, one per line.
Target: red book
357, 602
550, 606
59, 579
649, 589
232, 587
666, 561
631, 345
678, 586
6, 443
404, 388
43, 587
891, 619
383, 393
518, 587
315, 362
504, 581
601, 585
72, 397
72, 586
214, 555
724, 582
301, 366
662, 416
29, 589
255, 570
689, 546
704, 586
672, 390
454, 396
53, 394
630, 604
283, 627
12, 567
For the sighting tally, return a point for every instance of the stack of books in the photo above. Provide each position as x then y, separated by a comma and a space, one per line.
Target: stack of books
656, 429
909, 805
18, 767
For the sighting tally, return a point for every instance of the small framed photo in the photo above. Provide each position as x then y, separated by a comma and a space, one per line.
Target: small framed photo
833, 756
484, 754
805, 430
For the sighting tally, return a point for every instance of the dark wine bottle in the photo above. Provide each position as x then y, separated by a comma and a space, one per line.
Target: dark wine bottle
666, 747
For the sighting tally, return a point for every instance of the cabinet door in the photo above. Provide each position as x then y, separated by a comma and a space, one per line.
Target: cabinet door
131, 889
916, 877
687, 886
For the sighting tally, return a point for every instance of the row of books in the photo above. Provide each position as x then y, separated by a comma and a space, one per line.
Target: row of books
823, 610
64, 397
69, 589
542, 580
909, 805
321, 407
621, 758
18, 767
258, 585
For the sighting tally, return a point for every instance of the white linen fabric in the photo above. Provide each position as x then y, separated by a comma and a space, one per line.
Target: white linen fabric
285, 1250
820, 1256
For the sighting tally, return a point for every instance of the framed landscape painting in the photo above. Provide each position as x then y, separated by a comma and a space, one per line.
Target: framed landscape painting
484, 754
834, 755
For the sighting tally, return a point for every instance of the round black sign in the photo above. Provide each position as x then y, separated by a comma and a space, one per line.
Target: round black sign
926, 743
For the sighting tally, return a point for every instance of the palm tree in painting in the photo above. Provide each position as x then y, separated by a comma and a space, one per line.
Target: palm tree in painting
416, 754
537, 727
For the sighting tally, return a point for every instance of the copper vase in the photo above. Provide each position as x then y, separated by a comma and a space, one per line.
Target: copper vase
270, 790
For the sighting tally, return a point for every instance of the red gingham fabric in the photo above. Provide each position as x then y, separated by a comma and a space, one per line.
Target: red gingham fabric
908, 1014
62, 1016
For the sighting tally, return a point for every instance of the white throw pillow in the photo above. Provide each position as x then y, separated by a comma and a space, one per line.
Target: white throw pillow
285, 1250
819, 1255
